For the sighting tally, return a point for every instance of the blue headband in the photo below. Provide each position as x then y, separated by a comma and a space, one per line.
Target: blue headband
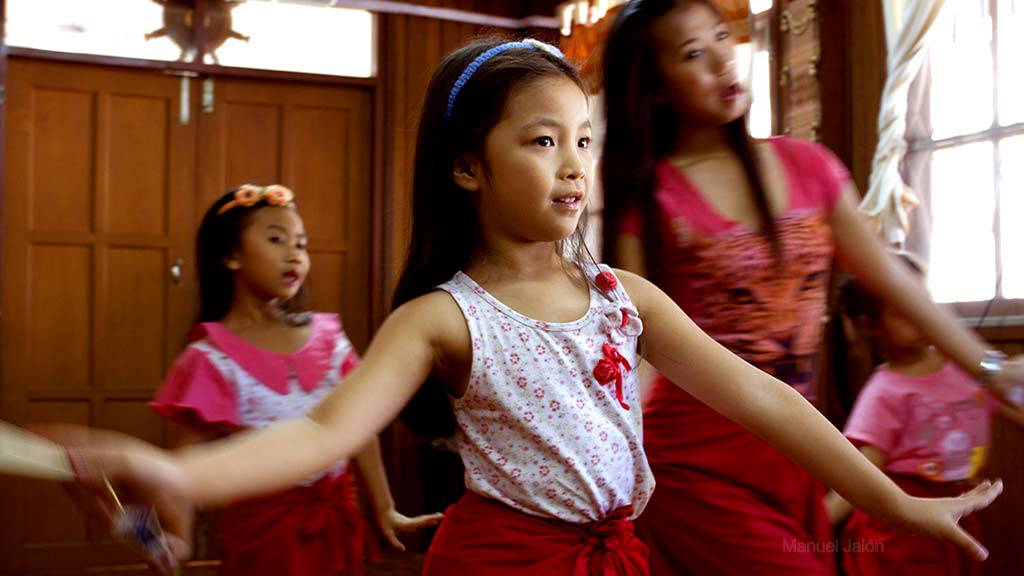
487, 55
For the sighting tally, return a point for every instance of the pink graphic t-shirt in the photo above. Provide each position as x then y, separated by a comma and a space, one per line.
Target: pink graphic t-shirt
551, 423
935, 426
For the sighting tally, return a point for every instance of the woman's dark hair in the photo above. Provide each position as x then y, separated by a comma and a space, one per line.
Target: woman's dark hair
219, 237
641, 131
445, 229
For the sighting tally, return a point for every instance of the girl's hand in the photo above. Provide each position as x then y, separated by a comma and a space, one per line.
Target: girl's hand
939, 517
138, 472
392, 523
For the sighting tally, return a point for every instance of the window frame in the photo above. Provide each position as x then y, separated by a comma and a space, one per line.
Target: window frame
999, 311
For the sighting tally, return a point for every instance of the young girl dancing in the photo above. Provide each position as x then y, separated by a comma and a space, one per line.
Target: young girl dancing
534, 347
255, 358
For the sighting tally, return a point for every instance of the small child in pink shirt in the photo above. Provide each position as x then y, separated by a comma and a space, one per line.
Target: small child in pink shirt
934, 425
926, 423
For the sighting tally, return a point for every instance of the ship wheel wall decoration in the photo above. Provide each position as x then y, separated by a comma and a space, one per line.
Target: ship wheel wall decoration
179, 16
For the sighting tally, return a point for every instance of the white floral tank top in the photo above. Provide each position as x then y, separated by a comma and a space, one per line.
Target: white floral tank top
550, 423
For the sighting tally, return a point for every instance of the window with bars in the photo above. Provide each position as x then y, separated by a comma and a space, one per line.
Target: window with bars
286, 35
970, 136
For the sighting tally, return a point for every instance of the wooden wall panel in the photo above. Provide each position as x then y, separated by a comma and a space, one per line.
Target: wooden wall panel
59, 273
137, 182
853, 58
135, 321
254, 137
799, 53
414, 47
1003, 531
65, 133
325, 139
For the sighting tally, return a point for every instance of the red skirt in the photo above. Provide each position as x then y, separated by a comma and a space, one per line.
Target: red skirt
870, 548
727, 503
482, 537
308, 530
697, 525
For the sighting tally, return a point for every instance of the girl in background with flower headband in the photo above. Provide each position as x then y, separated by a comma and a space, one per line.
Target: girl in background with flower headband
530, 347
741, 233
256, 358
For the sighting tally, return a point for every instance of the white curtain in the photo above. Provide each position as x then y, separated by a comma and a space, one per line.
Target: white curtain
889, 199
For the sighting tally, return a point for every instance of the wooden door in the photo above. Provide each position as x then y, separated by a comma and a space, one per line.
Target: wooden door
318, 141
98, 198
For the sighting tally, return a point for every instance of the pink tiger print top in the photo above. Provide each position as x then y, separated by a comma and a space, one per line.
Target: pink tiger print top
726, 278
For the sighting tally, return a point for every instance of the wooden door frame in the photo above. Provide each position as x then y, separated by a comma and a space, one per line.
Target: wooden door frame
3, 160
381, 186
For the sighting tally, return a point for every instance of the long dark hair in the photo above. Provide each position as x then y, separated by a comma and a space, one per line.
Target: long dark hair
445, 227
641, 130
218, 238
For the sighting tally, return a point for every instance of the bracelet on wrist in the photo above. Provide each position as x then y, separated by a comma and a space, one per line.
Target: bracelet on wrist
990, 367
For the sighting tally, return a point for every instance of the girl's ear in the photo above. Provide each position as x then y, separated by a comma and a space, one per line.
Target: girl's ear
233, 263
467, 172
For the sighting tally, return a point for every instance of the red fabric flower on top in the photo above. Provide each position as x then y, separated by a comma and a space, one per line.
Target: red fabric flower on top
608, 370
606, 281
605, 372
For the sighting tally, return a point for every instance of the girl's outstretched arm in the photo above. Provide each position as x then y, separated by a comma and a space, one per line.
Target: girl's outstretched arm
780, 415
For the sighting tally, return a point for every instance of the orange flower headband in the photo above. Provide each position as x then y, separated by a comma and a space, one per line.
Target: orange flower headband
250, 195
